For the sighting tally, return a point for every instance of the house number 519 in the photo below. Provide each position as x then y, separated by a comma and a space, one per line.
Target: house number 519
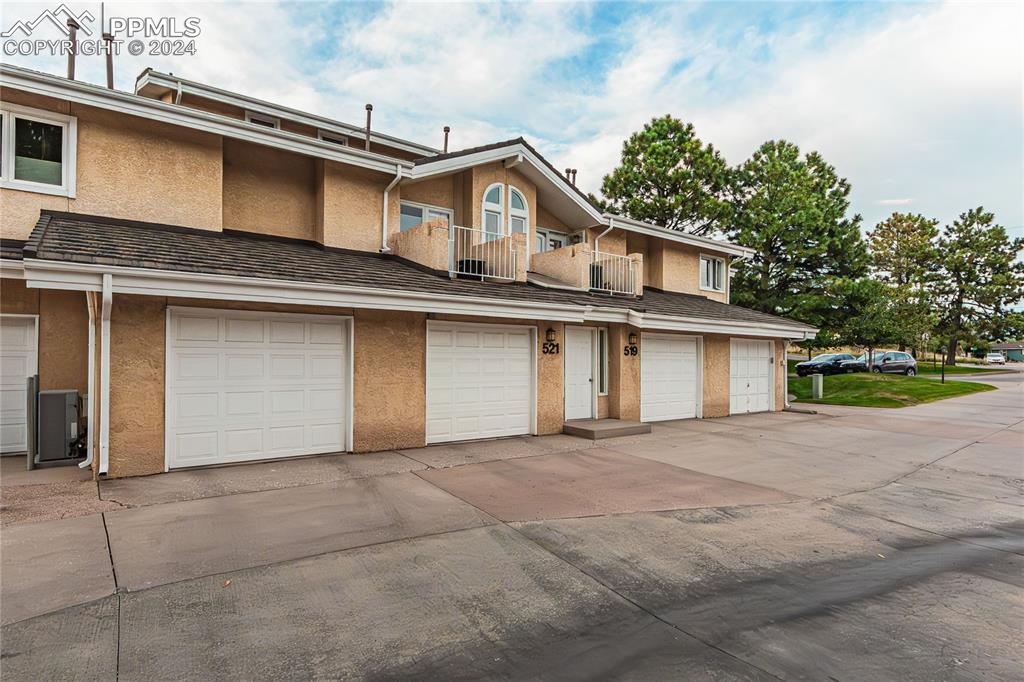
629, 350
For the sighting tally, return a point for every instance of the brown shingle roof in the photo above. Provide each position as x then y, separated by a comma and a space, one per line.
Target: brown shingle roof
105, 241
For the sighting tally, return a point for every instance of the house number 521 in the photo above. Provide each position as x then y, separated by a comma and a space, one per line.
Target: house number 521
550, 348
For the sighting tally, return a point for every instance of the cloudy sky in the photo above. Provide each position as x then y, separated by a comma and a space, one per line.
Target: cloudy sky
918, 104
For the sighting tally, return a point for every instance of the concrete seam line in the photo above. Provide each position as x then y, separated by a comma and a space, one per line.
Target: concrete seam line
613, 591
315, 555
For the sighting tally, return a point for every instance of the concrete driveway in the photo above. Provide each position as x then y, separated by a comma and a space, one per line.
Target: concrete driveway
851, 544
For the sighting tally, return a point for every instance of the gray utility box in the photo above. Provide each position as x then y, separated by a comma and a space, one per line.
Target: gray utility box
58, 425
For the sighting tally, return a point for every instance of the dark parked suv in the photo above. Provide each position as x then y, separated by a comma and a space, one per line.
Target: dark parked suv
890, 362
828, 363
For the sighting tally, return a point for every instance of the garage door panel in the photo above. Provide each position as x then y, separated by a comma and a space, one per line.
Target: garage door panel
751, 376
668, 377
18, 361
480, 381
260, 388
196, 328
287, 332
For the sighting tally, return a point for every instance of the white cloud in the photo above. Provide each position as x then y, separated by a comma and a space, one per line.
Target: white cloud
912, 100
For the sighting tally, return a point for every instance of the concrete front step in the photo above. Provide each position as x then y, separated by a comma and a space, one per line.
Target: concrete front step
596, 429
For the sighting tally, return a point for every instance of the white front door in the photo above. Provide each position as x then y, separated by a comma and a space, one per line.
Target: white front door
669, 374
751, 376
480, 381
17, 363
253, 385
579, 373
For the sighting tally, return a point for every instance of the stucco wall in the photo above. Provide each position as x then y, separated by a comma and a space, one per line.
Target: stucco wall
569, 264
17, 299
137, 340
350, 207
390, 380
545, 219
426, 244
268, 190
716, 375
613, 242
129, 168
623, 375
676, 267
436, 192
63, 340
63, 332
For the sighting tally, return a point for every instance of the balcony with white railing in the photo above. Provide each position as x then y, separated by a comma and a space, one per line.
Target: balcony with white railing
477, 253
612, 274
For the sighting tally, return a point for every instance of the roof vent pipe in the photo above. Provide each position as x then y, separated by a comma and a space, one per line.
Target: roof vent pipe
369, 112
73, 49
573, 177
108, 40
568, 173
446, 131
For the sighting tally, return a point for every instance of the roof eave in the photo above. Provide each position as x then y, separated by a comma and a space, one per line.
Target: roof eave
135, 105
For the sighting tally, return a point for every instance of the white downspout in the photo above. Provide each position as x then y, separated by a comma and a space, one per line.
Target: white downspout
597, 239
785, 374
384, 222
108, 299
90, 410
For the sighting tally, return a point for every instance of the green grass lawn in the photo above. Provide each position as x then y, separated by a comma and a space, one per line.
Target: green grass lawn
882, 390
926, 368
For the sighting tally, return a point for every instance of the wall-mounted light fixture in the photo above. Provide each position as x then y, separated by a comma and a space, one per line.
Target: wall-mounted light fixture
633, 339
550, 335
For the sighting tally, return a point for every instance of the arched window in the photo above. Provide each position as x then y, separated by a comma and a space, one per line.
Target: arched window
494, 212
518, 213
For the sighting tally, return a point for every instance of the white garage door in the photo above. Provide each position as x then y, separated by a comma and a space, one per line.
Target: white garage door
668, 377
252, 385
479, 381
17, 363
751, 373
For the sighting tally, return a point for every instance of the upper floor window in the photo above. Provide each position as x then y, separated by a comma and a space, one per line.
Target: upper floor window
494, 212
263, 120
412, 214
518, 214
712, 273
37, 150
340, 140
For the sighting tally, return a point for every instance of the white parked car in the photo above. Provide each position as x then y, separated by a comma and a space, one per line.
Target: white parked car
995, 358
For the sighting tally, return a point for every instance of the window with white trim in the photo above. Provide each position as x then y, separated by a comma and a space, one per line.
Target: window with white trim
549, 240
37, 150
494, 212
339, 140
712, 273
412, 214
602, 361
518, 213
263, 120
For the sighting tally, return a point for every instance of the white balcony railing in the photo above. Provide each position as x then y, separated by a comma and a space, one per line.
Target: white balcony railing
612, 274
475, 253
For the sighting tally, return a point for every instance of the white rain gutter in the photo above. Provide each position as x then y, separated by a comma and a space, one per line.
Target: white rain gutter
384, 221
90, 397
108, 299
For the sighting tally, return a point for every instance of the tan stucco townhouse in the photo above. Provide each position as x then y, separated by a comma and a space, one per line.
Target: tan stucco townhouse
224, 280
